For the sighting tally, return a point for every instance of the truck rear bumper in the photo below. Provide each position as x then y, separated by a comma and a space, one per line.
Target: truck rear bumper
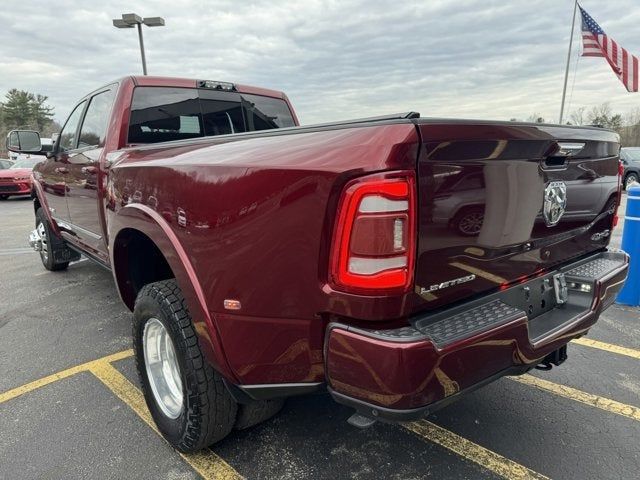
403, 374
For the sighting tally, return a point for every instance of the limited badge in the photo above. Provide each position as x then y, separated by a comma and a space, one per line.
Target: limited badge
447, 284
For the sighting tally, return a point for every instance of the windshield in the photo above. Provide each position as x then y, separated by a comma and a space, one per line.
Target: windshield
26, 163
632, 154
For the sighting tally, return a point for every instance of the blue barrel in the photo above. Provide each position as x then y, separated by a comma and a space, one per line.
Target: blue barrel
630, 293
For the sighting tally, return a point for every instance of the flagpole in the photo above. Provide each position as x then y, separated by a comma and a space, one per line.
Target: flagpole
566, 72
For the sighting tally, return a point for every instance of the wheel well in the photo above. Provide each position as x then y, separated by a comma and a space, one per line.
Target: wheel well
137, 261
626, 175
464, 209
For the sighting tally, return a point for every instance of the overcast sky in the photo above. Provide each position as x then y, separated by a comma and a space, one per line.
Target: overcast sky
335, 59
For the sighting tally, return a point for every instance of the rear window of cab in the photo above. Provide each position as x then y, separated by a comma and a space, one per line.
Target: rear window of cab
162, 114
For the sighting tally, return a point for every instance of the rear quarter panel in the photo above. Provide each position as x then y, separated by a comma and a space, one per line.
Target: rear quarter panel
254, 215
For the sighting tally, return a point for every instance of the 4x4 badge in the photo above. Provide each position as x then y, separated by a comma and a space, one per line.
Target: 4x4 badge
555, 203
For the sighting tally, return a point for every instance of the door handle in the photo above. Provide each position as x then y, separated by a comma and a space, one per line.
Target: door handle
62, 170
562, 152
89, 170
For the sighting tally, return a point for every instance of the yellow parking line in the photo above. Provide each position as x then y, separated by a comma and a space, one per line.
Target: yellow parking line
571, 393
206, 463
608, 347
16, 392
472, 451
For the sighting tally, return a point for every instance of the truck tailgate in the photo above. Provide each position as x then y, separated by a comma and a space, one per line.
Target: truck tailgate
483, 190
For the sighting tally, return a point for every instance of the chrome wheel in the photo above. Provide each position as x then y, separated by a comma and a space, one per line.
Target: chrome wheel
631, 179
471, 223
42, 233
162, 368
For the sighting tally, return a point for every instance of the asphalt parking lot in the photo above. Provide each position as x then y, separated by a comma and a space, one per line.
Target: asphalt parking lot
70, 405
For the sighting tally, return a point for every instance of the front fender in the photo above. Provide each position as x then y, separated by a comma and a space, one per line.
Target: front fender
153, 225
37, 192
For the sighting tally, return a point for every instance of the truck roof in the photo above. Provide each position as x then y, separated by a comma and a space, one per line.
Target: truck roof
177, 82
157, 81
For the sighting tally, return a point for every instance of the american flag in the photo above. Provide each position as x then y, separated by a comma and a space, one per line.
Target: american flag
596, 43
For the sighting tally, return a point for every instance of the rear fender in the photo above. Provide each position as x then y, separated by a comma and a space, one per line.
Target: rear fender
154, 226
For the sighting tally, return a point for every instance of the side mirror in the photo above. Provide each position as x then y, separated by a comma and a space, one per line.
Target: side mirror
24, 141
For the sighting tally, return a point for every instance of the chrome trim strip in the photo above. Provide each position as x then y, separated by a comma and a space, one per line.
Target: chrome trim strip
569, 148
75, 228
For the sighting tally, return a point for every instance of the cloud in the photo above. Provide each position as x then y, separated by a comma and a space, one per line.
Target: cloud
335, 59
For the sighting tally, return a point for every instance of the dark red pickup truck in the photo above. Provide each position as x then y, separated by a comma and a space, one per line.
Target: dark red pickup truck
397, 262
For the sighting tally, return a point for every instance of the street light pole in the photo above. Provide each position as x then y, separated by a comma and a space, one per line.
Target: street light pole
144, 59
130, 20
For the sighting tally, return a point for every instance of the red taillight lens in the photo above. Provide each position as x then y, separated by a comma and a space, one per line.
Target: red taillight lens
614, 221
374, 241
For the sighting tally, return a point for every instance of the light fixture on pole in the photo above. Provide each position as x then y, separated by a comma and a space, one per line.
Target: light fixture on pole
130, 20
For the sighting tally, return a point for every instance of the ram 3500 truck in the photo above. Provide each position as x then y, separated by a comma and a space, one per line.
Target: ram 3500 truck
397, 262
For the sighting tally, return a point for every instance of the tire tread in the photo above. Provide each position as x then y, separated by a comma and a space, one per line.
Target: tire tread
211, 411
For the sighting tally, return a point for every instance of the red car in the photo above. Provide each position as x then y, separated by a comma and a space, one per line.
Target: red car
16, 180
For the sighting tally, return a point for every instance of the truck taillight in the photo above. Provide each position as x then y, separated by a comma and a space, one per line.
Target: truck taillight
614, 220
374, 241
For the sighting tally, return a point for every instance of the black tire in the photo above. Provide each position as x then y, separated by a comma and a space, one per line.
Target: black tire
55, 255
468, 222
208, 411
629, 179
257, 412
4, 197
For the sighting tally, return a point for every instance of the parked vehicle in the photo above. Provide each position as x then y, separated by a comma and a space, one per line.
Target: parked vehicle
459, 201
630, 157
265, 264
16, 180
5, 163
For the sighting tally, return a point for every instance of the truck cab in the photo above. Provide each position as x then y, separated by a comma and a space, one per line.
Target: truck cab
153, 110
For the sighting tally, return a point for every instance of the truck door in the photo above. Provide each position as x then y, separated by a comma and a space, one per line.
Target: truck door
84, 175
53, 173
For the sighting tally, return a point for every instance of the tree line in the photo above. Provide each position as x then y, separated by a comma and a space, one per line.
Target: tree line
27, 111
627, 126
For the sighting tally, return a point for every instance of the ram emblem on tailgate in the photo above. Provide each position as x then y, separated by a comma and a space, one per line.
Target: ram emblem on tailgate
555, 202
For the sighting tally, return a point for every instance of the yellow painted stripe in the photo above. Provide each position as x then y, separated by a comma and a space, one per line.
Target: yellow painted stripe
29, 387
472, 451
571, 393
608, 347
206, 463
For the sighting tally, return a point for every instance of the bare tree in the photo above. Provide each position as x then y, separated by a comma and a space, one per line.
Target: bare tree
630, 134
602, 115
535, 118
578, 116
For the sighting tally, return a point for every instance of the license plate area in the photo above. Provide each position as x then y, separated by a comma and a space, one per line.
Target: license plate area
536, 296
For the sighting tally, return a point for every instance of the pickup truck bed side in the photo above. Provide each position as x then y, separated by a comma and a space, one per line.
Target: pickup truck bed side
268, 203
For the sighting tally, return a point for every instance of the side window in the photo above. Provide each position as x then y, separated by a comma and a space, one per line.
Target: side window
221, 113
160, 114
70, 129
94, 126
264, 113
